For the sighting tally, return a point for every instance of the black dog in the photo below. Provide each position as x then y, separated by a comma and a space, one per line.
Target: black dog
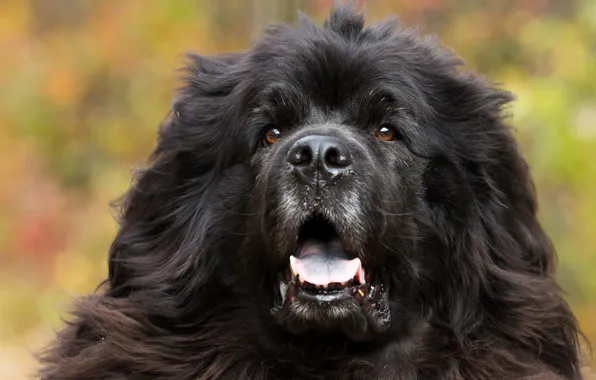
335, 203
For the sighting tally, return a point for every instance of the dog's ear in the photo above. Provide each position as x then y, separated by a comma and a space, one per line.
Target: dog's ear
510, 281
480, 146
167, 214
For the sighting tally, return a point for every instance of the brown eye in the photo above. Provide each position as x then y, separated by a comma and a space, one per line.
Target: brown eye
386, 132
271, 136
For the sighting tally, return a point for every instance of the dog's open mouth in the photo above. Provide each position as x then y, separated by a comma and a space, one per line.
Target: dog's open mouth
322, 272
321, 265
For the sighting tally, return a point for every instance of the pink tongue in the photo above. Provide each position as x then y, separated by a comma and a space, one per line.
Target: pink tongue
322, 265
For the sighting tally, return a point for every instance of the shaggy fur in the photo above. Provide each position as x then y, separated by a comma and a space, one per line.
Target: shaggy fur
446, 212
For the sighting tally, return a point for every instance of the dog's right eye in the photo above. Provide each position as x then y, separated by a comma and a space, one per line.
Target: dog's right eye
272, 135
386, 132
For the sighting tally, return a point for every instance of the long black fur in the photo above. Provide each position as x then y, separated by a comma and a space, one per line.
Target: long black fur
188, 290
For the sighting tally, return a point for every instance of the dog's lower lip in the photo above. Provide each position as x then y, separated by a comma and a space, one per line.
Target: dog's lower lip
324, 296
369, 301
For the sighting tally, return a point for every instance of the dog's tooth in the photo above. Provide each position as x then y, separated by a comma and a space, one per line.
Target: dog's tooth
299, 280
361, 276
283, 290
293, 266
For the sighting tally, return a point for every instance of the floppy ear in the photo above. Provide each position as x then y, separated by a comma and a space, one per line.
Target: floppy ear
485, 157
170, 242
166, 216
511, 292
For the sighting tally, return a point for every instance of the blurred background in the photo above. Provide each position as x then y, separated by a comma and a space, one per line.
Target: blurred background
84, 84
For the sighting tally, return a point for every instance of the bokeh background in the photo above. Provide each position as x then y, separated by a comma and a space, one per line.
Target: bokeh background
83, 85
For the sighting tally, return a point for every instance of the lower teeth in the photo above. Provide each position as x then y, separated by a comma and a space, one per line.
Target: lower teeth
283, 289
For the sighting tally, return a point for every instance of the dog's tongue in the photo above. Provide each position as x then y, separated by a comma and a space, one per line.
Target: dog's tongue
323, 263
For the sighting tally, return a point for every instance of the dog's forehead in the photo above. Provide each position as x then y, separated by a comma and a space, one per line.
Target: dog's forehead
328, 70
332, 73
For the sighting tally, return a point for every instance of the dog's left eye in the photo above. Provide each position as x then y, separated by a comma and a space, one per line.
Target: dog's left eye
386, 132
272, 135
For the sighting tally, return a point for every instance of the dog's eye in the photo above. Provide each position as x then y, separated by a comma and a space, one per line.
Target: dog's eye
387, 132
271, 136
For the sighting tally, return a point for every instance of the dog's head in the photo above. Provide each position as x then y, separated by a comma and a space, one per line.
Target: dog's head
339, 174
342, 179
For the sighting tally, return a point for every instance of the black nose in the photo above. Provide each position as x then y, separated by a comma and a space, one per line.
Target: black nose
323, 158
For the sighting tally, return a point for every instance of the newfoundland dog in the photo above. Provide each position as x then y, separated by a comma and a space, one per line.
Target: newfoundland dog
338, 202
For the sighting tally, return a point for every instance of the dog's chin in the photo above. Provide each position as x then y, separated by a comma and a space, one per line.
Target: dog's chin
326, 288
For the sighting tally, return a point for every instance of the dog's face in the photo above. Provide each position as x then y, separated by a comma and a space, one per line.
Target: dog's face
345, 143
336, 187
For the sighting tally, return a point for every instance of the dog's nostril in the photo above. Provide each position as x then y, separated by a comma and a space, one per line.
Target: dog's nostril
301, 156
336, 158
